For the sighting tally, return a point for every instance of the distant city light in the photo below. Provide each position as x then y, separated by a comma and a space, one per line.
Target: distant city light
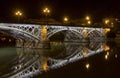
89, 22
106, 56
87, 18
107, 21
87, 65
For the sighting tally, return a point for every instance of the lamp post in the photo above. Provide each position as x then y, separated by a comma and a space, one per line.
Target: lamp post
18, 14
45, 40
46, 11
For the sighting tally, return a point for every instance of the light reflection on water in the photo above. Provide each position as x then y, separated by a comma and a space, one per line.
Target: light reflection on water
26, 63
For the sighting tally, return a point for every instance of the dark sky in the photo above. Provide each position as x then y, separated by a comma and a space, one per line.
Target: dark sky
74, 9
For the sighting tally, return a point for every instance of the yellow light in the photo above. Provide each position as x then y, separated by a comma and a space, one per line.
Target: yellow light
18, 13
65, 19
87, 65
46, 10
44, 32
106, 56
87, 18
106, 48
44, 65
107, 30
89, 22
107, 21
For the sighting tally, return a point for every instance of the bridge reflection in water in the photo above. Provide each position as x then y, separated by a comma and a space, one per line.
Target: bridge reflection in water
31, 62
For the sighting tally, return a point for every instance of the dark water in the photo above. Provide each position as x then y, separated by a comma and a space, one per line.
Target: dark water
63, 60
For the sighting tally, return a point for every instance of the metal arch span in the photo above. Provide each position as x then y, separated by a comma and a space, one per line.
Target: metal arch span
79, 31
55, 29
78, 34
34, 31
18, 32
38, 33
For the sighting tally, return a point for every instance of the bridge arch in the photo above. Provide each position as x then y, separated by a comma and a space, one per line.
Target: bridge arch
97, 32
75, 32
17, 33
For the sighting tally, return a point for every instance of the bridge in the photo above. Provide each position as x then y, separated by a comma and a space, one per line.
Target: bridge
30, 62
31, 36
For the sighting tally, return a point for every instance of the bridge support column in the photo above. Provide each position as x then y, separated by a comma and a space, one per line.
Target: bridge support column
45, 41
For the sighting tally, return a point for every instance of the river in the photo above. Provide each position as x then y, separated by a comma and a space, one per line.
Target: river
62, 60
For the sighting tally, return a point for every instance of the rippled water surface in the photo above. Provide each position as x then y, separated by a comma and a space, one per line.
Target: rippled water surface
62, 60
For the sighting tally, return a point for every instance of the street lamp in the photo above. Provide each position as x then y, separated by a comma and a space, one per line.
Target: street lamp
46, 11
18, 14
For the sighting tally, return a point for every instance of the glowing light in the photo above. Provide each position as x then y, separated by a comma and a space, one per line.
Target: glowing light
107, 30
44, 32
87, 65
65, 19
18, 13
46, 10
87, 18
85, 31
107, 21
106, 48
89, 22
108, 53
44, 65
116, 55
106, 56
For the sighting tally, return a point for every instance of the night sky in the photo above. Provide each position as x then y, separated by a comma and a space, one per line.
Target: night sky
74, 9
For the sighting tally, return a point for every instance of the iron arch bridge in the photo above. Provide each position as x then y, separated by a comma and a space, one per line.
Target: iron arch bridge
31, 36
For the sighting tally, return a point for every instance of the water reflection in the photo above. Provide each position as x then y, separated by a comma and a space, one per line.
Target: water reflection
30, 62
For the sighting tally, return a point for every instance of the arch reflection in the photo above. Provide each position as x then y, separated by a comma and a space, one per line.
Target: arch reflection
31, 62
